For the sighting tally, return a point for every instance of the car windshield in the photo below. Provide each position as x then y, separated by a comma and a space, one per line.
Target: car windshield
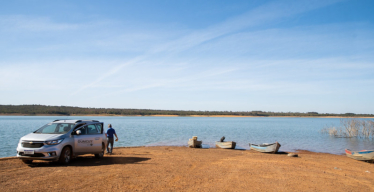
55, 128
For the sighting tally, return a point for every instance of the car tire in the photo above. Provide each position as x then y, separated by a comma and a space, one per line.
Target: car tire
100, 155
65, 156
27, 161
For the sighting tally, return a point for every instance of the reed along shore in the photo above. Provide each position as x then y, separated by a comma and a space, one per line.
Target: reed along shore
189, 169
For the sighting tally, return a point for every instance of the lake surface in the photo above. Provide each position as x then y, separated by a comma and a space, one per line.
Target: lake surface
292, 133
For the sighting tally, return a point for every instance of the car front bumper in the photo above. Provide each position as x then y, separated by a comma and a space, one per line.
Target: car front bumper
47, 152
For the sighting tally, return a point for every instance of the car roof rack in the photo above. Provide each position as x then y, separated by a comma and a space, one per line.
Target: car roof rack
62, 120
90, 120
77, 121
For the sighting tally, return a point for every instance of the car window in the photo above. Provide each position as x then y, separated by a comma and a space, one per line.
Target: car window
99, 127
64, 128
92, 129
78, 126
54, 128
83, 130
48, 129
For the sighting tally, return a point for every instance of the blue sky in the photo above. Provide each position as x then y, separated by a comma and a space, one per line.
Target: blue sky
297, 56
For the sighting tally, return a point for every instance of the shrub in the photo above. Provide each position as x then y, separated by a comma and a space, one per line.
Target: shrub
351, 128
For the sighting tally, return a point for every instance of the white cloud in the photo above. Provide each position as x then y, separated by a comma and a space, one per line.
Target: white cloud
267, 13
33, 24
239, 58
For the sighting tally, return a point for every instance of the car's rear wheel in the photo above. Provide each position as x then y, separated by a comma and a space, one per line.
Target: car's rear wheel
65, 156
27, 161
101, 154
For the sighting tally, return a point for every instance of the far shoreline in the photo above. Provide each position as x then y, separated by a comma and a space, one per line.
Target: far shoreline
228, 116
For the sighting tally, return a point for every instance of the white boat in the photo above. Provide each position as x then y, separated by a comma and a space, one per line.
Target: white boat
194, 143
266, 148
363, 155
226, 144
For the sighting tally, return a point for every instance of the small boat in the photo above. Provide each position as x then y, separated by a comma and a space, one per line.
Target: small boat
194, 143
266, 148
225, 144
363, 155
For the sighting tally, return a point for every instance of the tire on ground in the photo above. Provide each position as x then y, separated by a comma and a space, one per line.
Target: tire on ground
100, 155
65, 156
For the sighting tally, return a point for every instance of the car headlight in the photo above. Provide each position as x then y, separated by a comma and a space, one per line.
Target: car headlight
54, 142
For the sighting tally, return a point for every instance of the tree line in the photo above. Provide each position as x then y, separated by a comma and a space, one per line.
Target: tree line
69, 110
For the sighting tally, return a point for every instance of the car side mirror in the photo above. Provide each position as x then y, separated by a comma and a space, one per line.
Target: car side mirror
78, 132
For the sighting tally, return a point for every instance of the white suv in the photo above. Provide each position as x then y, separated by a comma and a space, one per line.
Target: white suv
61, 140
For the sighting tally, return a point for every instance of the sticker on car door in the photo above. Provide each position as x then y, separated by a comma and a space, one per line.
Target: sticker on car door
84, 142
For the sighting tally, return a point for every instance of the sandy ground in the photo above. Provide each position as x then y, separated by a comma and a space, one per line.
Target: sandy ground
188, 169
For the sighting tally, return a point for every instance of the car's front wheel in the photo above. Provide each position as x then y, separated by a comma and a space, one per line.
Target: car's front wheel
65, 156
101, 154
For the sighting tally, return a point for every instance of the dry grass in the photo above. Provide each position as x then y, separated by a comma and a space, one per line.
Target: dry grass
351, 128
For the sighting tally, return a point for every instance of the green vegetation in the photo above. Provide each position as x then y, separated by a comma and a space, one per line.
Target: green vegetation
352, 128
67, 110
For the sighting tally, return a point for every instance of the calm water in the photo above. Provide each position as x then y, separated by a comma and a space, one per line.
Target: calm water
291, 133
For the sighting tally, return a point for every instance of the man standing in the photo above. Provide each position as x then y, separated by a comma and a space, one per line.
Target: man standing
109, 135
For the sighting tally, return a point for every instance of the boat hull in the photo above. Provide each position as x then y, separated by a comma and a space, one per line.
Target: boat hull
195, 144
266, 148
226, 145
364, 155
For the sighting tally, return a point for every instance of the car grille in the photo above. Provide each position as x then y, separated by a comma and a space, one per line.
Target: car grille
32, 144
34, 155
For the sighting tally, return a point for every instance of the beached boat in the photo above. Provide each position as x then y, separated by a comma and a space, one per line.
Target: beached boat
266, 148
194, 143
363, 155
226, 144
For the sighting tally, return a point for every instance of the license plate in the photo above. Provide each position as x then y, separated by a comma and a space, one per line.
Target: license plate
29, 152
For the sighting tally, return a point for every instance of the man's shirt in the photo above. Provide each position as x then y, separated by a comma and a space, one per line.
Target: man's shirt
110, 132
